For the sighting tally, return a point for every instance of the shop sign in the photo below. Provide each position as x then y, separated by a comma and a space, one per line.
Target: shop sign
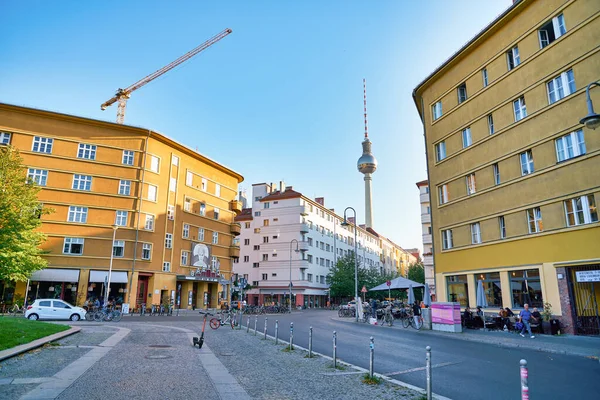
588, 276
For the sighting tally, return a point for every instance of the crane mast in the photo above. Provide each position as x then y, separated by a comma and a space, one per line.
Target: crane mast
122, 95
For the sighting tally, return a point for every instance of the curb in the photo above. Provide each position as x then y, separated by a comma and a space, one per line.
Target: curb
8, 353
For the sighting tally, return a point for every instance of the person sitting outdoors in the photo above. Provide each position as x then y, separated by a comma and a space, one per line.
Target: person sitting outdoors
509, 312
504, 321
536, 319
478, 319
467, 318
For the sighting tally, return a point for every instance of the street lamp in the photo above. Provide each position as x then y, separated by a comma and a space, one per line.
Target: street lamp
345, 223
297, 251
112, 254
592, 120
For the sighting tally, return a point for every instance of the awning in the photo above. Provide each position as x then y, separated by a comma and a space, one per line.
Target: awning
55, 275
115, 276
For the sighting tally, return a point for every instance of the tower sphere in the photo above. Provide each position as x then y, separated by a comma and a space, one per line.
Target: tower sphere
367, 164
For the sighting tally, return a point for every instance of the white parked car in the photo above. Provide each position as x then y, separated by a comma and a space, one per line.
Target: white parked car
54, 309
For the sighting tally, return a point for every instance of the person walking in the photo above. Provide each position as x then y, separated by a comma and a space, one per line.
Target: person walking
416, 312
525, 317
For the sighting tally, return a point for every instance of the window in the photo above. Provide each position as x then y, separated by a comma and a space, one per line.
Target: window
119, 248
73, 246
246, 258
570, 145
526, 288
534, 218
266, 204
265, 239
184, 257
492, 288
257, 213
581, 210
202, 209
146, 251
552, 30
127, 157
462, 93
154, 164
458, 289
309, 277
475, 233
265, 257
121, 218
266, 222
255, 265
82, 182
169, 240
125, 187
186, 231
526, 163
217, 190
246, 242
520, 108
429, 230
201, 234
87, 151
512, 57
149, 224
440, 151
443, 193
490, 121
78, 214
247, 225
166, 266
466, 137
437, 110
447, 239
189, 178
151, 192
4, 138
484, 75
309, 257
254, 283
256, 247
502, 225
42, 145
215, 237
39, 176
175, 160
496, 174
561, 86
214, 263
204, 183
170, 212
265, 276
470, 184
173, 185
216, 213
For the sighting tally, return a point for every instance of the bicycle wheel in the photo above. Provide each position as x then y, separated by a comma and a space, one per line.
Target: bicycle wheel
98, 316
89, 316
390, 320
405, 322
418, 323
214, 323
340, 313
116, 316
108, 316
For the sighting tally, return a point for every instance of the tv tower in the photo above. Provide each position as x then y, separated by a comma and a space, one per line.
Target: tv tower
367, 164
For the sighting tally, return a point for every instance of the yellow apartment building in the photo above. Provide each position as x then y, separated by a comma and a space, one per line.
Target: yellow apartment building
170, 208
514, 176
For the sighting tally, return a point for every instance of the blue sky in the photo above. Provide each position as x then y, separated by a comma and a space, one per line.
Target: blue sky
278, 99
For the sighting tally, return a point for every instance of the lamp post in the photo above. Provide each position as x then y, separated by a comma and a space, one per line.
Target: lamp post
297, 250
345, 223
592, 120
112, 254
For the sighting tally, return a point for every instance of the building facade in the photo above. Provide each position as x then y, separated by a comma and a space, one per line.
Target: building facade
427, 234
172, 209
513, 172
282, 220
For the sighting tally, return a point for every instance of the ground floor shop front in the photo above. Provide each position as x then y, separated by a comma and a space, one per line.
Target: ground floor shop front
300, 298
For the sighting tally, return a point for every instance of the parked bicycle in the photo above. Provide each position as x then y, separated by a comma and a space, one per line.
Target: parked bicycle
107, 314
222, 319
16, 310
410, 320
387, 317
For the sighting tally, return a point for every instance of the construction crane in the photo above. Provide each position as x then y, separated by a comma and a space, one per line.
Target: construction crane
123, 95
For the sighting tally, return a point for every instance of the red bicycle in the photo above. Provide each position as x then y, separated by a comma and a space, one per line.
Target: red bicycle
224, 318
200, 340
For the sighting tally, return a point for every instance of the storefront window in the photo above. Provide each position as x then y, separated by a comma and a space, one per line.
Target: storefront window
526, 288
458, 289
492, 288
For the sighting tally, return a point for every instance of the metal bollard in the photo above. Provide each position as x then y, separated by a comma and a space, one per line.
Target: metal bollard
276, 331
265, 330
291, 336
255, 324
428, 371
248, 325
310, 342
372, 356
524, 380
334, 349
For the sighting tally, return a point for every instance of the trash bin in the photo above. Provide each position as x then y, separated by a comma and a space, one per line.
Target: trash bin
554, 326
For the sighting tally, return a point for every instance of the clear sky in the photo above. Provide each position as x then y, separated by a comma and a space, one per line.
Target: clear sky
281, 98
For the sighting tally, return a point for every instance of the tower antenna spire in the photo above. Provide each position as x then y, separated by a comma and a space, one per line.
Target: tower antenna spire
365, 102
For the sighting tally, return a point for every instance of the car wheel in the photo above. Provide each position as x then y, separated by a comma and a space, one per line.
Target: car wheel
74, 317
33, 317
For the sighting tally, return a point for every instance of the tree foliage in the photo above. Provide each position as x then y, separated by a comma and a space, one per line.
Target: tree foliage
416, 272
20, 211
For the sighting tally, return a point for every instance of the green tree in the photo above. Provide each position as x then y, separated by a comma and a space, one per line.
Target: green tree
416, 272
341, 277
20, 254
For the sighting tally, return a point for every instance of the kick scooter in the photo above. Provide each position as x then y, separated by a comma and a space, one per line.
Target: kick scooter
200, 340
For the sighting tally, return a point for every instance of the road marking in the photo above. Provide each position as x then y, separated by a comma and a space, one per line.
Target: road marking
341, 373
406, 371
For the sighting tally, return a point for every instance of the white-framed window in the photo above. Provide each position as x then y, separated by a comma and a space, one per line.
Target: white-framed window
490, 121
189, 178
440, 151
462, 93
121, 218
512, 57
475, 233
86, 151
257, 213
437, 110
502, 226
216, 213
184, 257
246, 258
534, 220
581, 210
266, 205
552, 30
119, 248
186, 231
471, 189
171, 212
201, 234
82, 182
146, 251
154, 164
203, 209
166, 266
73, 246
149, 222
42, 144
484, 76
187, 205
520, 108
125, 187
217, 190
561, 86
175, 160
215, 239
526, 163
214, 262
173, 184
265, 257
78, 214
570, 145
152, 190
39, 176
204, 184
169, 240
447, 239
128, 157
496, 168
466, 138
443, 193
4, 138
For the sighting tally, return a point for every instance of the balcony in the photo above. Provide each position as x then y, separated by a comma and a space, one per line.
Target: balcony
428, 260
425, 218
424, 198
303, 245
304, 228
235, 229
304, 210
427, 239
235, 206
234, 252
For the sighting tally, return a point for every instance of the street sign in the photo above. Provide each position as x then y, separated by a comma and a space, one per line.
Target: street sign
389, 283
363, 290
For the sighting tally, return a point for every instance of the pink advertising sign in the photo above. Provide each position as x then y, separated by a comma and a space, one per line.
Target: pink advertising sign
445, 313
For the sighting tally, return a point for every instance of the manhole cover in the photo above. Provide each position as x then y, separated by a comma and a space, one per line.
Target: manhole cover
160, 346
158, 357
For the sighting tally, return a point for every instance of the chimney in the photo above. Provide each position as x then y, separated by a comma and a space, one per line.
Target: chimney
332, 210
320, 200
281, 186
352, 220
